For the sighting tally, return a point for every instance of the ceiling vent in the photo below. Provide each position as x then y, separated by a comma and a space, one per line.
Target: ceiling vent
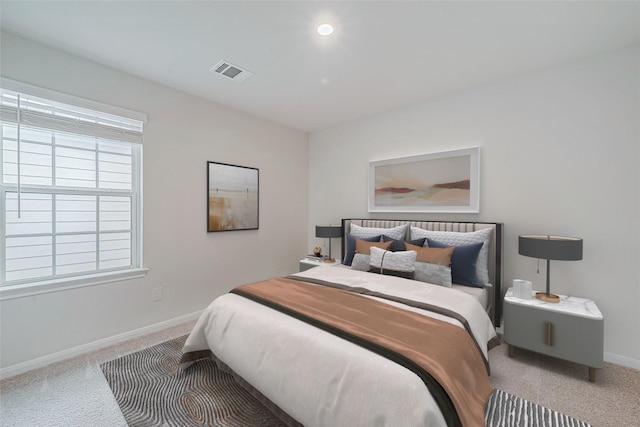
235, 73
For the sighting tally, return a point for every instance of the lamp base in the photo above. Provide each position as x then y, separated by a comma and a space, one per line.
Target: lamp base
329, 259
543, 296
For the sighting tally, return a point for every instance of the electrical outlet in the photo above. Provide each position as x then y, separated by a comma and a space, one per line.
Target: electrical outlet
156, 294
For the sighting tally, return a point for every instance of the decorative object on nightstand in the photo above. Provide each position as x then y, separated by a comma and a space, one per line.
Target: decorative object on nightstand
328, 232
522, 288
550, 247
317, 251
572, 329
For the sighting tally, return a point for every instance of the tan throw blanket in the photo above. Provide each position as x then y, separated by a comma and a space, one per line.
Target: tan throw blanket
443, 355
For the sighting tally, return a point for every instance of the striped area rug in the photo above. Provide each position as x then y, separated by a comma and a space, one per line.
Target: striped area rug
507, 410
151, 391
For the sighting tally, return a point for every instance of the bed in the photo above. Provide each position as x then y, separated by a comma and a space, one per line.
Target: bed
294, 343
489, 296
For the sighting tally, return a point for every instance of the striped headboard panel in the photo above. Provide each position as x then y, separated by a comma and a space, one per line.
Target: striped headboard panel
495, 248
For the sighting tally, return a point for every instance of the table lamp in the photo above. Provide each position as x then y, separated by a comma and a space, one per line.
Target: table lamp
550, 247
328, 232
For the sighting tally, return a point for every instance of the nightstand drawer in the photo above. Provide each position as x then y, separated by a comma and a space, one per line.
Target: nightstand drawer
572, 338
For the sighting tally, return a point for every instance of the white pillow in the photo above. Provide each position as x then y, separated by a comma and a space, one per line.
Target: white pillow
397, 233
393, 263
454, 238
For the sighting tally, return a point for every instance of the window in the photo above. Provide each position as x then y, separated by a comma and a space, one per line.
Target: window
70, 191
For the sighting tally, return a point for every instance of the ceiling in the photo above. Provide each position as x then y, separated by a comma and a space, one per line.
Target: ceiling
383, 55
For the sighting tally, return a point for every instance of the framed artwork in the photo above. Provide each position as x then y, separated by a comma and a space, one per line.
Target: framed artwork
447, 181
232, 197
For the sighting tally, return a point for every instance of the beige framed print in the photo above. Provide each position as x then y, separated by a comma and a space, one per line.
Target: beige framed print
447, 181
232, 197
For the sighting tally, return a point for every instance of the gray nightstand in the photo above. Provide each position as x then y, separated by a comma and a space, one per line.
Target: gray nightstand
572, 329
305, 264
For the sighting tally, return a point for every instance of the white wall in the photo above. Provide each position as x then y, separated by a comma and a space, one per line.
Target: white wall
560, 154
191, 265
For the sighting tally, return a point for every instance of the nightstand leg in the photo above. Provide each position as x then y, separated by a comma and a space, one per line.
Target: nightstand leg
510, 347
592, 375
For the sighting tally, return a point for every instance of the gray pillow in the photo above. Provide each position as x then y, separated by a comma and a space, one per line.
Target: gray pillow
436, 274
361, 262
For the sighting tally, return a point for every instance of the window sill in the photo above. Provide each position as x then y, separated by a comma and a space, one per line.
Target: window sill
36, 288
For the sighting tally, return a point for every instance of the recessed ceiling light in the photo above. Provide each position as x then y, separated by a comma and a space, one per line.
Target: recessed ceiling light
325, 29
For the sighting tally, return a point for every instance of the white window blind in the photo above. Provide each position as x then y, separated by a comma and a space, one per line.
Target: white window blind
71, 190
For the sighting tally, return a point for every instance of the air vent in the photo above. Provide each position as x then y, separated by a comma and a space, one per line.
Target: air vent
235, 73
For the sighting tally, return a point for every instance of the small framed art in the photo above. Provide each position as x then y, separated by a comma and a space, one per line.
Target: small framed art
232, 197
447, 181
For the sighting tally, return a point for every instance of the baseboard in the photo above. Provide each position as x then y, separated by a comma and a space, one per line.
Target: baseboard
40, 362
622, 360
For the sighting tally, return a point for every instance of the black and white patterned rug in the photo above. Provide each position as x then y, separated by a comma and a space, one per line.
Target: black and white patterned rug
152, 391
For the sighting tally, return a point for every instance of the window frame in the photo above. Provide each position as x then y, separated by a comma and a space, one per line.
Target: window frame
27, 287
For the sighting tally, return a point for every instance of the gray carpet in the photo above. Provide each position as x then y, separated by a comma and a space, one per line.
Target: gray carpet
151, 391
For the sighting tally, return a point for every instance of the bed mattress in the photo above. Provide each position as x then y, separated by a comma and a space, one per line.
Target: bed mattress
319, 379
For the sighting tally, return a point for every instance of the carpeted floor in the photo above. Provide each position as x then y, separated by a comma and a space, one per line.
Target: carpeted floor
612, 401
75, 393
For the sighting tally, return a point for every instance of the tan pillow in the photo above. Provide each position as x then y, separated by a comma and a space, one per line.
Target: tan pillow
364, 247
440, 256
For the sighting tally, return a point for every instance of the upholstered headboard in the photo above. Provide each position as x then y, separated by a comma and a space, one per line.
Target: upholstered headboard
495, 248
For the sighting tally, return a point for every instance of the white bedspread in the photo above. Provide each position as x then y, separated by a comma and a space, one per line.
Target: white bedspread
320, 379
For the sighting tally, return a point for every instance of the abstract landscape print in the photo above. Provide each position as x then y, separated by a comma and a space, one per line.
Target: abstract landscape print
232, 197
438, 182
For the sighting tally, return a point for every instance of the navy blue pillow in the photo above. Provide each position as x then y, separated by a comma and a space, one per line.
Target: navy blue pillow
400, 245
351, 246
463, 262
